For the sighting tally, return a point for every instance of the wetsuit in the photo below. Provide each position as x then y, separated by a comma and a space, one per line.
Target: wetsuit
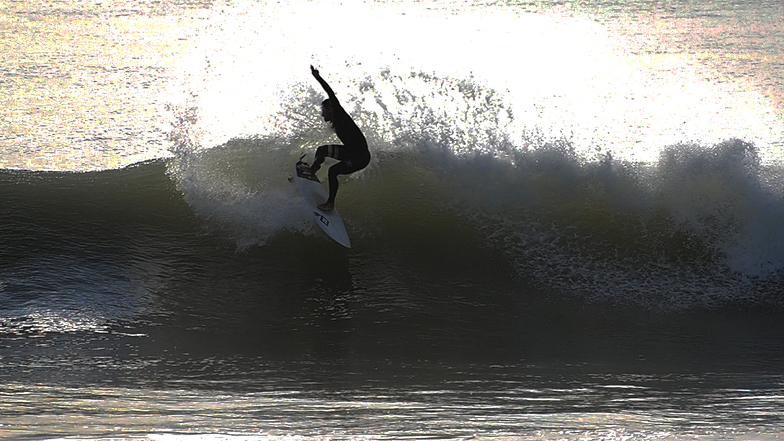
353, 154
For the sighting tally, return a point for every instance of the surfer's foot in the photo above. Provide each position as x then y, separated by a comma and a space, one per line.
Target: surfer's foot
326, 206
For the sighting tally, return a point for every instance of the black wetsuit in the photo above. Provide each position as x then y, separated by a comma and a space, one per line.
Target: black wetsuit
353, 154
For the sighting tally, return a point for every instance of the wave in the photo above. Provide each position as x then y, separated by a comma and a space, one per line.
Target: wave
700, 227
73, 245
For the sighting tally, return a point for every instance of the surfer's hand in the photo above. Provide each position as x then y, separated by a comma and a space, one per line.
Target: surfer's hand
314, 71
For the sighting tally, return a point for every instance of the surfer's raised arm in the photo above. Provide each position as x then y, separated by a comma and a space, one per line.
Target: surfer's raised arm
323, 83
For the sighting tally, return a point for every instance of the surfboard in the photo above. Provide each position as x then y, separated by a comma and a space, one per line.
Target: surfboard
314, 193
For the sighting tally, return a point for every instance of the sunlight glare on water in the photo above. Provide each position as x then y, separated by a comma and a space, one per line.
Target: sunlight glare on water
81, 82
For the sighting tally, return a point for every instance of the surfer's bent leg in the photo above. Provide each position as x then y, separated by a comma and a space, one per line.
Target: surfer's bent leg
333, 151
344, 167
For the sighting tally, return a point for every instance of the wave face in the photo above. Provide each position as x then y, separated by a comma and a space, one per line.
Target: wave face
113, 250
700, 228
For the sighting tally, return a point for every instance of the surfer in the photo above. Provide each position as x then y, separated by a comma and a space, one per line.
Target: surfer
353, 154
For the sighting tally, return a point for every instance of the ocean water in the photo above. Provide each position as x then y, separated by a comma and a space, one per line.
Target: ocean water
572, 227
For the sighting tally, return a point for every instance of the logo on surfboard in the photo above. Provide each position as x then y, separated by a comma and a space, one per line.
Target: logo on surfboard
323, 219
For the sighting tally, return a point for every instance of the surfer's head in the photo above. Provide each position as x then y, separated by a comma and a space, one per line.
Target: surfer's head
326, 110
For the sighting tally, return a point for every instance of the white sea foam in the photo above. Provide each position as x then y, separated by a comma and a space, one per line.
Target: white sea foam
557, 74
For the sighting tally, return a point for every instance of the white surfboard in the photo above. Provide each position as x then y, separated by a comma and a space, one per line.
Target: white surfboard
314, 193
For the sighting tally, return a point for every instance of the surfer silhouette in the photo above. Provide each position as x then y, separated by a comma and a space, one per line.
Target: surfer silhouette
353, 154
